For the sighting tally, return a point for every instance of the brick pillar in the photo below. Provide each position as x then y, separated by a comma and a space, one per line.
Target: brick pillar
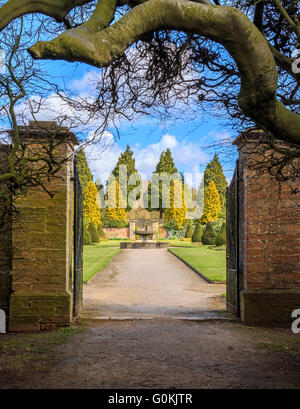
42, 244
5, 242
269, 226
132, 230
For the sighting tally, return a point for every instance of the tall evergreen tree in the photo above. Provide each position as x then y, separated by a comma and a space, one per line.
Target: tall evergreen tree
212, 203
214, 172
115, 203
84, 172
91, 210
126, 158
165, 165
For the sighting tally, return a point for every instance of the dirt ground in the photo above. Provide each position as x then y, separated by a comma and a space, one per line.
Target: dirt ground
154, 354
171, 331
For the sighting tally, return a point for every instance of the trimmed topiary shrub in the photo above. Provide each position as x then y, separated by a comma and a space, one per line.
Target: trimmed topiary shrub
100, 232
217, 225
221, 236
189, 232
197, 235
86, 237
209, 234
93, 233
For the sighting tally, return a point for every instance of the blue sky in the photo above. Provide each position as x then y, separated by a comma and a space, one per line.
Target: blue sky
147, 136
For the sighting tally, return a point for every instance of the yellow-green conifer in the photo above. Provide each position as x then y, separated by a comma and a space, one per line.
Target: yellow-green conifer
212, 203
91, 211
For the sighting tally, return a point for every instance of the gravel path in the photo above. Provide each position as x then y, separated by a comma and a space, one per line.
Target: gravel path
150, 284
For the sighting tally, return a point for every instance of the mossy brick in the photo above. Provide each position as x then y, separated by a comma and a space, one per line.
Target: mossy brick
29, 309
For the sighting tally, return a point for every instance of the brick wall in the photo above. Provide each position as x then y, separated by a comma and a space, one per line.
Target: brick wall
116, 233
5, 244
269, 245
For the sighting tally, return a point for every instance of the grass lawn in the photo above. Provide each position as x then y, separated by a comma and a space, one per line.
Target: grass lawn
209, 261
95, 258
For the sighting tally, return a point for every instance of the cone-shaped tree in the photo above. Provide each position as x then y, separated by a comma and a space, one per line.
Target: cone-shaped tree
93, 233
221, 236
214, 172
86, 236
115, 203
126, 158
177, 209
166, 166
100, 232
209, 234
212, 204
189, 232
197, 235
91, 211
84, 172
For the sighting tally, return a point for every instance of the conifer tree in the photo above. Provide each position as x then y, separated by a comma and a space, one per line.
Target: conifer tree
212, 204
100, 232
165, 165
189, 232
197, 235
214, 172
91, 211
115, 203
84, 172
209, 234
86, 236
221, 236
177, 209
93, 233
126, 158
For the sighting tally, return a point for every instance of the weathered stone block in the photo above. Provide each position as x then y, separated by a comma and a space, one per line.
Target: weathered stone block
269, 307
36, 310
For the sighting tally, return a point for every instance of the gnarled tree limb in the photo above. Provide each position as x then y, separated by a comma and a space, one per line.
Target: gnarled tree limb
226, 25
57, 9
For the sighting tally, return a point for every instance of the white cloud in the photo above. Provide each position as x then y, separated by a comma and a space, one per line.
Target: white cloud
187, 156
220, 135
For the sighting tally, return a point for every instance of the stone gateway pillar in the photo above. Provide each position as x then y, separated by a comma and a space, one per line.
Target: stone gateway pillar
269, 230
42, 234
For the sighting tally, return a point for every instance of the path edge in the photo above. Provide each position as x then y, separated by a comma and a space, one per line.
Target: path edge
193, 268
110, 261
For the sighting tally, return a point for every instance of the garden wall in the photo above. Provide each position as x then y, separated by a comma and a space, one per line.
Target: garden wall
116, 233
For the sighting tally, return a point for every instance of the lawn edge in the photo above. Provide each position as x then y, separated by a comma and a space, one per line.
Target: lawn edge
193, 268
119, 252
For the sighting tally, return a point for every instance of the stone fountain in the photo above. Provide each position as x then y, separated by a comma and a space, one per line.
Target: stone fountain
145, 234
146, 241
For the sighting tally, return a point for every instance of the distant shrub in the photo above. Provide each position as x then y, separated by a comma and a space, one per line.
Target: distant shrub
197, 235
217, 225
170, 224
86, 236
209, 234
114, 223
189, 232
93, 233
221, 236
100, 232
